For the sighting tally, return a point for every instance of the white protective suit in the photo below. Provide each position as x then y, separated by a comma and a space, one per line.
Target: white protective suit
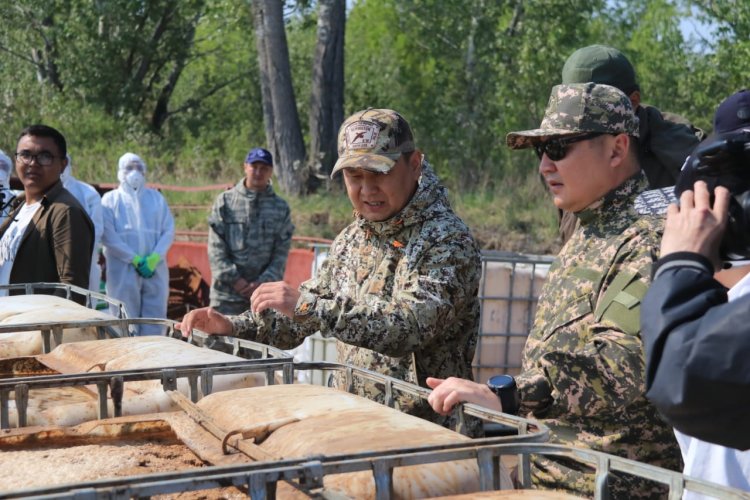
6, 167
137, 221
90, 200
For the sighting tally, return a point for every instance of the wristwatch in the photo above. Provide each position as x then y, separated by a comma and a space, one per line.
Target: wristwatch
504, 387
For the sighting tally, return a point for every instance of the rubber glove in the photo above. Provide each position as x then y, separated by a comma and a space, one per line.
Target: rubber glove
152, 260
143, 269
137, 263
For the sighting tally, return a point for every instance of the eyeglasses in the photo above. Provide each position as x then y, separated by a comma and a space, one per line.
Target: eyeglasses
44, 158
556, 149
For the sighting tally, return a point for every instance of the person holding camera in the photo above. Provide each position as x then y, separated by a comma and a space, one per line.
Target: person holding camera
696, 332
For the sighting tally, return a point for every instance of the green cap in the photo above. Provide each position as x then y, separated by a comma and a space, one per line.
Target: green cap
600, 64
580, 108
373, 139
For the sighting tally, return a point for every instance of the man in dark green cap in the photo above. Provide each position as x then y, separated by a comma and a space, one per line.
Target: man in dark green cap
663, 143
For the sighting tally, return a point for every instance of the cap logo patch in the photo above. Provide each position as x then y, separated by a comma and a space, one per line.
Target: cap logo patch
362, 135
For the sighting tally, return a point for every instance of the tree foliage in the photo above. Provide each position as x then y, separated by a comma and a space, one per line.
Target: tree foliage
179, 80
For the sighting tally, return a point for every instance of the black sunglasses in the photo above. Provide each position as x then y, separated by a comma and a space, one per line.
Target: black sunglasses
557, 148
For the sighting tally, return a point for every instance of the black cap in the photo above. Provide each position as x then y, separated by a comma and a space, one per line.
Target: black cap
733, 113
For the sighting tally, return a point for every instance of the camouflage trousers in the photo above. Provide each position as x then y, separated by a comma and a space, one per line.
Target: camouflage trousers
578, 479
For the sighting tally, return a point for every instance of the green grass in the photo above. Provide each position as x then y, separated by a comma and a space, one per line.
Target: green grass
516, 216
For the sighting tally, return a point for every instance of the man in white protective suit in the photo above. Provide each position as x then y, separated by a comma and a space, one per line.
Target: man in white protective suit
138, 231
91, 201
6, 194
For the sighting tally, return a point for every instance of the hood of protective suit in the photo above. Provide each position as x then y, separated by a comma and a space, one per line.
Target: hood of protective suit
6, 166
67, 173
131, 180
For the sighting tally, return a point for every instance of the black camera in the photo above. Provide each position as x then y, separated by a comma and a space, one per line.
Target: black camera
725, 161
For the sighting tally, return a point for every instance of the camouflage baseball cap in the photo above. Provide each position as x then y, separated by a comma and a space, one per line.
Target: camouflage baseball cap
600, 64
373, 139
579, 108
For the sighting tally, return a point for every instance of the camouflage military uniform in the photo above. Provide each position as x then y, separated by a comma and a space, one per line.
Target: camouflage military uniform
249, 237
583, 372
399, 295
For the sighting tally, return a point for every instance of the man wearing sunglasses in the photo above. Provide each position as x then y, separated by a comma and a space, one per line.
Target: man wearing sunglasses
47, 237
583, 367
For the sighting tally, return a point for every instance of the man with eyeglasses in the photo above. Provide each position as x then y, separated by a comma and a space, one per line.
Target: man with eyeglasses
47, 236
583, 367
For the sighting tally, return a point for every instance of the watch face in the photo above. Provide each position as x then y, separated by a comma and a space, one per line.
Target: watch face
500, 381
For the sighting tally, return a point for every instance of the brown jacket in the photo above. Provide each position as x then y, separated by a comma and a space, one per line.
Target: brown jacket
57, 244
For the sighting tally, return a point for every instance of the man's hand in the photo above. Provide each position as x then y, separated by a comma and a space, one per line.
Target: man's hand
277, 295
207, 320
447, 393
696, 226
244, 287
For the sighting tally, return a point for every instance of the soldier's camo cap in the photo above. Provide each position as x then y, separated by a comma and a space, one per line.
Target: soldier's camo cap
373, 139
579, 108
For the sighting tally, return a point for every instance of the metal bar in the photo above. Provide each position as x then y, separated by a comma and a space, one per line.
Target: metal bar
57, 334
193, 382
349, 379
528, 430
207, 381
169, 379
116, 391
46, 343
195, 479
460, 419
288, 373
22, 403
101, 389
4, 416
601, 490
382, 473
289, 469
72, 379
270, 376
389, 401
70, 292
256, 485
487, 474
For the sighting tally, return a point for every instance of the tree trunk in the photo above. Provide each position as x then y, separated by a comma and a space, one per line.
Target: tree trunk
286, 141
46, 58
472, 170
327, 99
264, 67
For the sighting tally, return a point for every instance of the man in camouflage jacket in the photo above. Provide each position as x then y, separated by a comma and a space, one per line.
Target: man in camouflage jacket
583, 369
399, 288
249, 234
